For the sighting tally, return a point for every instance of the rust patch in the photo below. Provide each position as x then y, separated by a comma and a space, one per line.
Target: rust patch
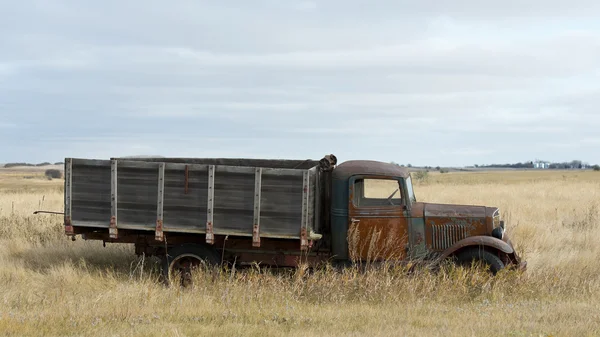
372, 239
443, 232
69, 226
377, 232
417, 210
255, 236
303, 239
210, 237
158, 236
112, 229
457, 211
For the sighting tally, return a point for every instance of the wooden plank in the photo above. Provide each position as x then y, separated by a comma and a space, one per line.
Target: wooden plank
235, 169
137, 194
236, 232
89, 162
284, 172
187, 178
281, 204
158, 236
137, 164
234, 200
113, 231
182, 166
100, 224
210, 238
245, 162
257, 199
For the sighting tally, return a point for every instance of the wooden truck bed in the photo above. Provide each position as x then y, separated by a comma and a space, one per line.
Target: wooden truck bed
213, 196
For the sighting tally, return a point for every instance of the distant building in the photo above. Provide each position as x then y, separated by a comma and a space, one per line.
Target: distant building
542, 165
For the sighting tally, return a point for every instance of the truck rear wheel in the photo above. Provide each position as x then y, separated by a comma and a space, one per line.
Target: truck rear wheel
466, 257
180, 261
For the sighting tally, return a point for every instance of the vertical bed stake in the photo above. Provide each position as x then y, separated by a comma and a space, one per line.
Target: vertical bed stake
257, 197
68, 195
210, 237
305, 217
112, 229
158, 234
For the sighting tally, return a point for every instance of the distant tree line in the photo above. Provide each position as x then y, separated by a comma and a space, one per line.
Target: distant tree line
516, 166
574, 164
9, 165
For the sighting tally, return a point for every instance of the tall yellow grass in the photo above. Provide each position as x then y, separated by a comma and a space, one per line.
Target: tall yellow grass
51, 286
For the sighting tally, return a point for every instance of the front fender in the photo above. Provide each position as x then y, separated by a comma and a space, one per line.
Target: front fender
478, 241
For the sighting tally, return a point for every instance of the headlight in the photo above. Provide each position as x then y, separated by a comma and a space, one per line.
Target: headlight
498, 233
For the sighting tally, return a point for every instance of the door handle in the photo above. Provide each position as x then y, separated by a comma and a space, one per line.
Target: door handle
354, 221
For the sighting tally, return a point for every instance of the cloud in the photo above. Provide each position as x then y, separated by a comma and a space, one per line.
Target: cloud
7, 125
470, 152
425, 82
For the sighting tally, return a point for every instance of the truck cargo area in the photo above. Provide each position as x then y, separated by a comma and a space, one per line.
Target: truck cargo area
153, 202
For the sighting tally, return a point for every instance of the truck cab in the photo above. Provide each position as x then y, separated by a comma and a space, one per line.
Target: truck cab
375, 216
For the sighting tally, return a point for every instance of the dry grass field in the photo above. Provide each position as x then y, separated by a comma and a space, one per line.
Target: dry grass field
51, 286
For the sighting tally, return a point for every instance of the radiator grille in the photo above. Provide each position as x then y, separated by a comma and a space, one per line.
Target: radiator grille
444, 236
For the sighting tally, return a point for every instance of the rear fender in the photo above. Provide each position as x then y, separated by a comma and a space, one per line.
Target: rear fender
480, 241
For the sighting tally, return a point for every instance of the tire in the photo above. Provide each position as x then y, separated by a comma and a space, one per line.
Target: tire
466, 257
181, 260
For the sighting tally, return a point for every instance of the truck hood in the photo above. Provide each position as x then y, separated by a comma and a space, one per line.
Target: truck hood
431, 210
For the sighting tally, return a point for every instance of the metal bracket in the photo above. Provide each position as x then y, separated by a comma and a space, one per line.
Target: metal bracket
69, 226
158, 235
210, 237
112, 229
255, 236
303, 239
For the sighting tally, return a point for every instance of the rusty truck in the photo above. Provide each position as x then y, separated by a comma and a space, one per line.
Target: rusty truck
192, 211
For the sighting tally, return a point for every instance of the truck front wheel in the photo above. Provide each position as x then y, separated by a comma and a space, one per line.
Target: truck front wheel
180, 261
466, 257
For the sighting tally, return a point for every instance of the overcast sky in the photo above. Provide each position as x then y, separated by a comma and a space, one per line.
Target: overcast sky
446, 83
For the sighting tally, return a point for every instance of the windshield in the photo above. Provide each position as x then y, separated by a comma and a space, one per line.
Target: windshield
411, 192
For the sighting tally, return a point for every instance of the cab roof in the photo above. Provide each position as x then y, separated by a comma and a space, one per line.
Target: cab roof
369, 167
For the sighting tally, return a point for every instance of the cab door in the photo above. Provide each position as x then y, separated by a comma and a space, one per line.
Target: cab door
378, 219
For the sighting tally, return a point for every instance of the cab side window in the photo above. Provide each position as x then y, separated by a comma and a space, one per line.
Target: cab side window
377, 192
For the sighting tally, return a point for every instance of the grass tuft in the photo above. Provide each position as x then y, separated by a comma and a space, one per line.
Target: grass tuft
52, 286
